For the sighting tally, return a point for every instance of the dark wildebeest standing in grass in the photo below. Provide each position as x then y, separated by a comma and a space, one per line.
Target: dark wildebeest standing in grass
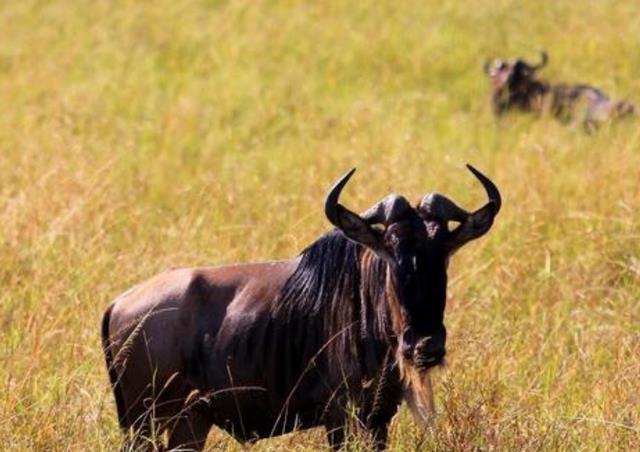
514, 86
262, 349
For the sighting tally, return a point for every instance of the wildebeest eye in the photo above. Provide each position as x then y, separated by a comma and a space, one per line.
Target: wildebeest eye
496, 67
452, 224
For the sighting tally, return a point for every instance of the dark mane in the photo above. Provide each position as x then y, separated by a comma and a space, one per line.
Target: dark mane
327, 273
337, 290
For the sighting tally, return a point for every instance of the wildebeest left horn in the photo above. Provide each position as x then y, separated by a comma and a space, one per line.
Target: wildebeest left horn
331, 205
351, 224
485, 66
387, 211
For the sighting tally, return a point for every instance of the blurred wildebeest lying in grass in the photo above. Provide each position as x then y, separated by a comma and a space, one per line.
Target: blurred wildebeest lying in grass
262, 349
515, 86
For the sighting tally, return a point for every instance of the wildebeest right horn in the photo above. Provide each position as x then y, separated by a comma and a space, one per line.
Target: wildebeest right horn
440, 207
479, 222
492, 191
544, 59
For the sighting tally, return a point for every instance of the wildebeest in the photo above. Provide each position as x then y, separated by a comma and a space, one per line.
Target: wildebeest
262, 349
515, 86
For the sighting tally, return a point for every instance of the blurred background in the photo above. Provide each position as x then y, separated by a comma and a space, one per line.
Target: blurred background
135, 136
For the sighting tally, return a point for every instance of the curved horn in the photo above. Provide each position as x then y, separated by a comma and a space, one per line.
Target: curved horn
485, 66
479, 222
492, 191
331, 205
544, 59
352, 225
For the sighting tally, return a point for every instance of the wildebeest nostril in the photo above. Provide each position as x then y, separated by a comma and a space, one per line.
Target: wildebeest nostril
408, 344
430, 349
407, 350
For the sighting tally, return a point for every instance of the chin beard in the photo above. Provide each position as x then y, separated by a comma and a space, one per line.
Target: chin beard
418, 391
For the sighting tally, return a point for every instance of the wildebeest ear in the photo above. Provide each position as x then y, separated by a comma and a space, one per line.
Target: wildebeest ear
356, 228
477, 225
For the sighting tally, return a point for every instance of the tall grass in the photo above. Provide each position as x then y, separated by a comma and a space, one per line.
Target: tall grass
135, 136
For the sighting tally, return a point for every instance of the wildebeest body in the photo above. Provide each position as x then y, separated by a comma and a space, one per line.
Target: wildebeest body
262, 349
593, 105
212, 319
516, 87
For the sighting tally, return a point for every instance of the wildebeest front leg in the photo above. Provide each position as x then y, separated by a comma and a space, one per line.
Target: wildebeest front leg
377, 423
386, 398
379, 435
190, 431
335, 433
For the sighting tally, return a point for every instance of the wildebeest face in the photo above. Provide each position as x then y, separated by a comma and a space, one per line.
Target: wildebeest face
416, 243
418, 269
511, 78
510, 73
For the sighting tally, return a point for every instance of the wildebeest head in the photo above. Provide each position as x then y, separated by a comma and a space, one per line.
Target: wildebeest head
416, 244
513, 82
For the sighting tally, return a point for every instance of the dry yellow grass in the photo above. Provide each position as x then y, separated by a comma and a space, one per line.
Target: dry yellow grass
135, 136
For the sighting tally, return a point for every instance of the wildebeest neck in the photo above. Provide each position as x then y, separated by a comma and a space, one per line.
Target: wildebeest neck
338, 290
525, 95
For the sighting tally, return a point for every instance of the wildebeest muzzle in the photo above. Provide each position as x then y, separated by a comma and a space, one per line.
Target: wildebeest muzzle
424, 352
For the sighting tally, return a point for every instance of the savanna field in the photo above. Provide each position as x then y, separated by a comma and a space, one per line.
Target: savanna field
137, 136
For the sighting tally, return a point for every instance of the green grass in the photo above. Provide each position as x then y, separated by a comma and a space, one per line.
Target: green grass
135, 136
